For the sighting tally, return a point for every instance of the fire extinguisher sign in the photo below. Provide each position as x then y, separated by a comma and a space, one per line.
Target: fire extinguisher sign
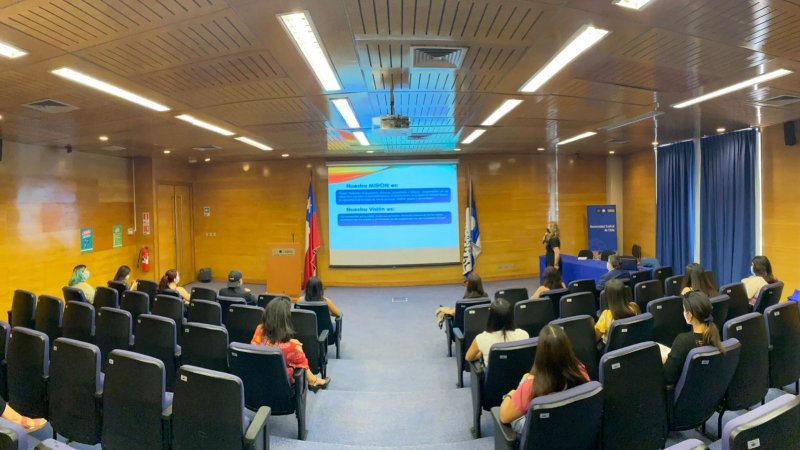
146, 223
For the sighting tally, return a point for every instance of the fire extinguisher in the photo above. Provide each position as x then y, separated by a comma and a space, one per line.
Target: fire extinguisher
144, 259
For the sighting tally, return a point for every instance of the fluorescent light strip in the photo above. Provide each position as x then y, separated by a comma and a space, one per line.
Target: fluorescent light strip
199, 123
584, 38
735, 87
346, 110
94, 83
11, 52
501, 111
361, 137
255, 144
576, 138
632, 4
472, 136
302, 30
633, 120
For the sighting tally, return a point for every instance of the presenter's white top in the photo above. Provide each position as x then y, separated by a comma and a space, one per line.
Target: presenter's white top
485, 340
753, 285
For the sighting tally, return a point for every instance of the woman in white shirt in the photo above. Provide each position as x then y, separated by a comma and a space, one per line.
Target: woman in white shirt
762, 276
499, 328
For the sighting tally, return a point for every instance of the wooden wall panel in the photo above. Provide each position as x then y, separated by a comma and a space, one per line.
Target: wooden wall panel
581, 182
639, 198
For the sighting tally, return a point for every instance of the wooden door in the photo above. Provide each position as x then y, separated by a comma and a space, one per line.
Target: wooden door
185, 236
175, 235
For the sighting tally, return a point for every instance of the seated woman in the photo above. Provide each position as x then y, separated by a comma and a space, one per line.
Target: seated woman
169, 282
555, 369
276, 330
316, 293
27, 424
474, 286
761, 270
123, 275
78, 280
697, 313
551, 280
499, 328
618, 307
696, 279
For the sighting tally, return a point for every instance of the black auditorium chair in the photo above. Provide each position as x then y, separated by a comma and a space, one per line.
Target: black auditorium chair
668, 320
136, 303
531, 315
475, 318
28, 362
750, 381
739, 304
266, 382
324, 322
170, 307
579, 304
113, 331
551, 421
783, 326
768, 296
118, 286
5, 334
640, 276
23, 309
688, 444
585, 253
134, 403
775, 425
512, 295
75, 391
584, 285
662, 273
225, 304
203, 293
219, 413
49, 316
12, 436
633, 330
508, 361
242, 321
606, 253
205, 346
315, 344
204, 311
264, 299
646, 291
580, 331
702, 385
73, 294
555, 298
672, 285
719, 310
158, 338
635, 402
106, 297
148, 287
457, 320
78, 322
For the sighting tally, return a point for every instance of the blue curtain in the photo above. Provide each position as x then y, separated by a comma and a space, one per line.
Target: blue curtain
728, 209
675, 204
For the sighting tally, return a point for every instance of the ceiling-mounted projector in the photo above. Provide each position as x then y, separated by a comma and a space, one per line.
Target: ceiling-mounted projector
391, 124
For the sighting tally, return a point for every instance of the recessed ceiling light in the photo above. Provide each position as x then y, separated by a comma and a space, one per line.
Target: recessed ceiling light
346, 110
540, 149
456, 149
576, 138
472, 136
167, 151
192, 160
255, 144
654, 143
285, 155
11, 52
632, 4
361, 137
199, 123
584, 38
103, 138
207, 160
735, 87
305, 37
720, 130
501, 111
94, 83
370, 151
611, 152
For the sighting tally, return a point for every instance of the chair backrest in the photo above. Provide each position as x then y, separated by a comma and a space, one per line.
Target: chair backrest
305, 331
218, 412
113, 331
73, 294
739, 304
203, 293
462, 305
702, 384
158, 338
225, 304
668, 320
750, 381
107, 297
204, 311
242, 321
633, 330
28, 362
578, 304
508, 361
323, 316
585, 253
638, 276
555, 298
148, 287
646, 291
532, 315
132, 416
580, 330
475, 318
672, 285
773, 425
205, 346
263, 372
783, 326
768, 296
136, 303
171, 307
719, 310
662, 273
74, 382
550, 421
23, 309
512, 295
584, 285
264, 299
635, 401
49, 316
119, 286
78, 321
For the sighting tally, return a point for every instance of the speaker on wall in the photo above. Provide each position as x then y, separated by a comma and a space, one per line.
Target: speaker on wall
789, 135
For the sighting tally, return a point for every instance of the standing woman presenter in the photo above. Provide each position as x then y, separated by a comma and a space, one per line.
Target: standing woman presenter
552, 243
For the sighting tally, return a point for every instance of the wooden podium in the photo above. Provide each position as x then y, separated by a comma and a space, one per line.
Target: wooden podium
285, 268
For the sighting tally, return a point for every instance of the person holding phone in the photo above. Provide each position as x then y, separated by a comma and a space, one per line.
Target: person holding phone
552, 243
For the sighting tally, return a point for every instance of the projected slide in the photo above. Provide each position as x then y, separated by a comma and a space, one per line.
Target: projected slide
393, 214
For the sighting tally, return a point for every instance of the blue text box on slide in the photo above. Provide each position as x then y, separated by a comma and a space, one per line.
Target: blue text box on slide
389, 219
392, 196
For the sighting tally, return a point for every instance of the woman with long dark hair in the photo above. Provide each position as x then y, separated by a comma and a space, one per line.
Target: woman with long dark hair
169, 282
315, 292
697, 313
474, 289
550, 280
123, 275
499, 328
761, 270
696, 279
618, 308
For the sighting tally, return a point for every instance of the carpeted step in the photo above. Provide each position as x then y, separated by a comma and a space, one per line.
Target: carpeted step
278, 443
380, 375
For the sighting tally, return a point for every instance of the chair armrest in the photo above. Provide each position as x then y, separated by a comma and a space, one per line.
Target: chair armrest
476, 377
459, 335
299, 376
505, 438
323, 337
670, 389
258, 429
338, 321
166, 423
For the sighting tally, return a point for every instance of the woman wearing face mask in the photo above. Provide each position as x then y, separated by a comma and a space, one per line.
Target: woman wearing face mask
124, 275
169, 282
78, 280
552, 243
761, 270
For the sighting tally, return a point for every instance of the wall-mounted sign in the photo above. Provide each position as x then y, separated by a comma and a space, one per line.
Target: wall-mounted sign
87, 240
146, 223
116, 232
207, 211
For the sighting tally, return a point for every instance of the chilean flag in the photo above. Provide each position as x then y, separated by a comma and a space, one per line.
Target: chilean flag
312, 237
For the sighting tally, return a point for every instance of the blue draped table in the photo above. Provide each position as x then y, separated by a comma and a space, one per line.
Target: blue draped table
573, 268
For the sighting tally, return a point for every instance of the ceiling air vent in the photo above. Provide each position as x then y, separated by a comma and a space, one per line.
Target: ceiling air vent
616, 141
51, 106
206, 148
781, 100
113, 148
444, 58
